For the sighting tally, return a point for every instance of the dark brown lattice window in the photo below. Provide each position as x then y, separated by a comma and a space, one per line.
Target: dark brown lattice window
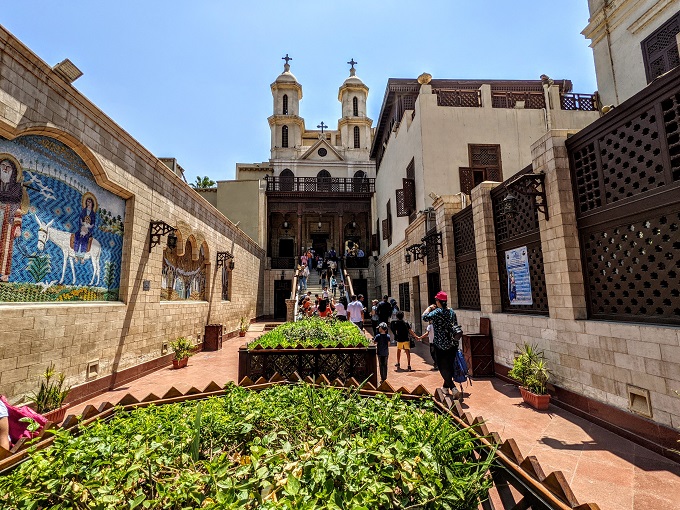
473, 177
389, 223
466, 260
385, 229
355, 106
404, 297
285, 104
388, 268
357, 138
488, 157
521, 230
284, 136
660, 49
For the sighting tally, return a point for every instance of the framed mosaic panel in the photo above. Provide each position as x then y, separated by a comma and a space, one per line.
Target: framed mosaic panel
183, 278
61, 234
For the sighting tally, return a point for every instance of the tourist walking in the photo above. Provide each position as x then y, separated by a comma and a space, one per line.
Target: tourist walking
341, 309
430, 334
384, 310
382, 343
374, 316
443, 319
403, 334
334, 285
355, 312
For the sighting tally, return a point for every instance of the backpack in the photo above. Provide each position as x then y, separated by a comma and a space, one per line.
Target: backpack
460, 369
19, 429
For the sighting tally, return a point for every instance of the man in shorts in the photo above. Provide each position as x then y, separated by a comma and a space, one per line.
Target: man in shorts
402, 334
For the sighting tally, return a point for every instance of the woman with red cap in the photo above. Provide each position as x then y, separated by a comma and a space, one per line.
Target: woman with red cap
443, 319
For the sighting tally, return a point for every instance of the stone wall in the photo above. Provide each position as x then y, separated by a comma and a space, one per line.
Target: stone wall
114, 337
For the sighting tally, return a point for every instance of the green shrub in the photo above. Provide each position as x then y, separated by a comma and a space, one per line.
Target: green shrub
287, 447
52, 391
312, 332
530, 370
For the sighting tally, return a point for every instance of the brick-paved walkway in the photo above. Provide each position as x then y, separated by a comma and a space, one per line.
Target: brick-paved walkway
601, 467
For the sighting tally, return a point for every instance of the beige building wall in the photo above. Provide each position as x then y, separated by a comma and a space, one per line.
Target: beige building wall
616, 28
127, 334
243, 202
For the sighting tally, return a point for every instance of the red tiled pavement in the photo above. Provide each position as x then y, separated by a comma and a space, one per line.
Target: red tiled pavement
601, 467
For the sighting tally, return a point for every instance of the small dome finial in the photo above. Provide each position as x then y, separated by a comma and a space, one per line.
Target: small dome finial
286, 66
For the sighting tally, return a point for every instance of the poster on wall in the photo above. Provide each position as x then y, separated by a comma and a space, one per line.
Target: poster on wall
519, 278
61, 234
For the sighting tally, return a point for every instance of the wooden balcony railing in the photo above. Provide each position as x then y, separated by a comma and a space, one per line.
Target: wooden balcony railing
583, 102
532, 100
320, 184
459, 98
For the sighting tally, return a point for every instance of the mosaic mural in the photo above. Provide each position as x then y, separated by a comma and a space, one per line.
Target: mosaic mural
183, 278
61, 234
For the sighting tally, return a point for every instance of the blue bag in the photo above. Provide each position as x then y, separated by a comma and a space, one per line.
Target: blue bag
460, 369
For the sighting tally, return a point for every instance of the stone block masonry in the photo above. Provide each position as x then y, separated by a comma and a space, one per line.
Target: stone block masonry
124, 336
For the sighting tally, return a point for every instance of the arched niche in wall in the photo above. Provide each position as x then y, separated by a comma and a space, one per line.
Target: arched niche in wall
184, 276
61, 233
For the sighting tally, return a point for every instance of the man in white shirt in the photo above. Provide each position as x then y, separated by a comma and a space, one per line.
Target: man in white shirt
355, 312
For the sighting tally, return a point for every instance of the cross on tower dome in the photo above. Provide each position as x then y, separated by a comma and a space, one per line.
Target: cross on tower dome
286, 66
322, 126
352, 71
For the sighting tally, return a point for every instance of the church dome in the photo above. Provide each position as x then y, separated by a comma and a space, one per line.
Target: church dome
286, 77
353, 80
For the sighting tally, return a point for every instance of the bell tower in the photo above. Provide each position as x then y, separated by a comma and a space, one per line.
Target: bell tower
285, 123
355, 126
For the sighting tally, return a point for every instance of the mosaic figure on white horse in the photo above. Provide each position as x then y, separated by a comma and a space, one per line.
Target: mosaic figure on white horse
63, 241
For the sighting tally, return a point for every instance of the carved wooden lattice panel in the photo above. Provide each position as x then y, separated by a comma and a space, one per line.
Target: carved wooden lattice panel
464, 232
671, 119
587, 178
459, 98
468, 285
385, 229
526, 220
467, 180
409, 186
660, 49
632, 269
631, 158
402, 210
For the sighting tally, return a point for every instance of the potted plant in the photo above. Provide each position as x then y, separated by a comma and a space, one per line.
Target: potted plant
49, 400
183, 348
530, 370
243, 325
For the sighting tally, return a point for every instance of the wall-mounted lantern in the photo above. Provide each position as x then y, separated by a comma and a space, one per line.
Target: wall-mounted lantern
225, 258
415, 252
531, 185
158, 229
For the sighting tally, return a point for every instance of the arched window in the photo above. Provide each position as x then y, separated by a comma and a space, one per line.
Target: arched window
284, 136
323, 181
357, 137
287, 180
355, 106
285, 104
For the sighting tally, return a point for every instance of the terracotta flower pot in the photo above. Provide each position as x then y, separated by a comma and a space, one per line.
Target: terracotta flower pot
180, 363
540, 402
241, 333
56, 416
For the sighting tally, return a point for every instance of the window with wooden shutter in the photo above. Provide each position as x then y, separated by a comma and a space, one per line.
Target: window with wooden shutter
389, 223
410, 190
404, 297
471, 177
401, 206
409, 194
385, 229
489, 157
660, 49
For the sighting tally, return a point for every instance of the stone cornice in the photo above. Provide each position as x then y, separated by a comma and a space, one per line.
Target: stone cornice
287, 86
281, 120
649, 15
349, 88
355, 120
607, 19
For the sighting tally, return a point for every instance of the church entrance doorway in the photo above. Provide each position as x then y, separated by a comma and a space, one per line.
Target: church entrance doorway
320, 243
282, 291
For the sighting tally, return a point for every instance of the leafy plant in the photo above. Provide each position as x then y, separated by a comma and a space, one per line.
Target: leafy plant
243, 324
39, 266
203, 183
52, 391
182, 347
312, 332
530, 370
286, 447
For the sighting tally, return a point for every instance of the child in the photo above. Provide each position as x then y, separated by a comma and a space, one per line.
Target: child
402, 331
382, 342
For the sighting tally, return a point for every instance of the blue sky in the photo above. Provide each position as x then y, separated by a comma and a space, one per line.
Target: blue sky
191, 79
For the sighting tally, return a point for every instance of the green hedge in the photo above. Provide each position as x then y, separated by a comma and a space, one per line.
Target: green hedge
288, 447
312, 332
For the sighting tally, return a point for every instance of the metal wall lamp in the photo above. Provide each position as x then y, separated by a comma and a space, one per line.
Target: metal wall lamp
225, 258
415, 250
434, 238
158, 229
531, 185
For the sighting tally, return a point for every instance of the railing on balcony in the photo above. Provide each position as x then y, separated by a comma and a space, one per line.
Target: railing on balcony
532, 100
583, 102
459, 98
320, 184
283, 262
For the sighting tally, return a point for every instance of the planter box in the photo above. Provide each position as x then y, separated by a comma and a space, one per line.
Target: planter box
540, 402
180, 363
338, 362
56, 416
